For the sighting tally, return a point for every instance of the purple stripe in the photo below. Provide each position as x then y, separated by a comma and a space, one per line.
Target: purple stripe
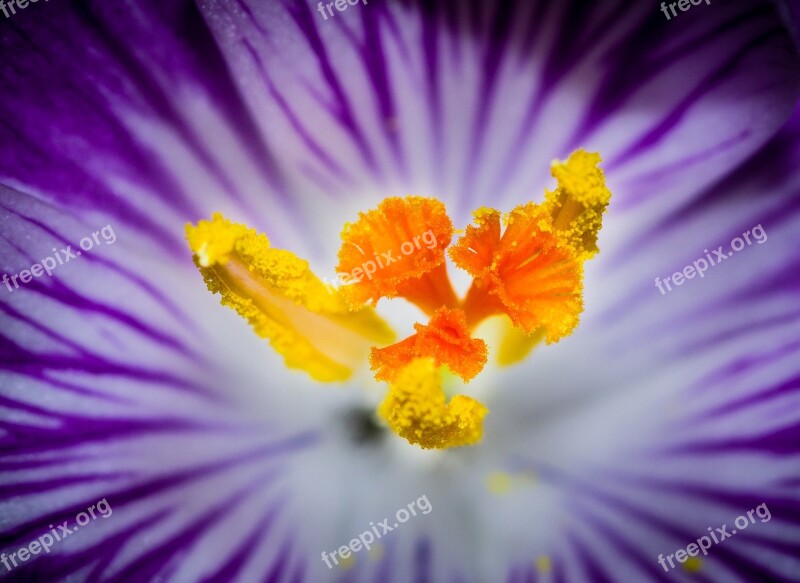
325, 157
376, 66
494, 54
343, 112
166, 482
631, 69
671, 120
423, 553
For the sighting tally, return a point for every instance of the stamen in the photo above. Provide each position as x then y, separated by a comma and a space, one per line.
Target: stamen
533, 270
416, 409
527, 265
515, 345
312, 328
578, 204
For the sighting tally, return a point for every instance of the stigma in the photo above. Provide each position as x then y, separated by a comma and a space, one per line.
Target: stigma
526, 267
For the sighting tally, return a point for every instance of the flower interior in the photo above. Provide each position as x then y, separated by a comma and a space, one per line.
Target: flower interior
526, 266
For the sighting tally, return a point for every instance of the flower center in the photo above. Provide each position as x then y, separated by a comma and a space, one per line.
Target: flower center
362, 427
526, 267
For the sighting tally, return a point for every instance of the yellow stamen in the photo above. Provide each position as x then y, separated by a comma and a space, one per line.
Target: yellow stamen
312, 328
515, 345
416, 409
578, 204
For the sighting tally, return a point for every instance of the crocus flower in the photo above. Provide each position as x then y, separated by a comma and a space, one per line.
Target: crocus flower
146, 433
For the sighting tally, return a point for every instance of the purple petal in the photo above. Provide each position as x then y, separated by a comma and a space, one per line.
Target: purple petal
122, 379
374, 100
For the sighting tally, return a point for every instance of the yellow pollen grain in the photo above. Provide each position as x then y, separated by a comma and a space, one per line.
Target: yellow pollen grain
347, 563
577, 205
498, 483
376, 552
543, 564
693, 564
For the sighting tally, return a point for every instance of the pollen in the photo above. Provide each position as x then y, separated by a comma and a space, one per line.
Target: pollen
543, 564
499, 483
693, 564
212, 242
528, 264
577, 205
416, 409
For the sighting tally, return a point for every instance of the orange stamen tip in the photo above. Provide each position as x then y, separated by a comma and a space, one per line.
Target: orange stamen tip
527, 270
445, 338
475, 250
399, 241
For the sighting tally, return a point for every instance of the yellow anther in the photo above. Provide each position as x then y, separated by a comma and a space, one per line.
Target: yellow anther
276, 292
416, 409
578, 204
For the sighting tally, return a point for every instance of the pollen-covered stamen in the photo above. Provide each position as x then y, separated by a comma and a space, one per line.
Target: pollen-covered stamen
523, 273
527, 265
445, 338
312, 328
533, 269
416, 408
577, 205
397, 250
